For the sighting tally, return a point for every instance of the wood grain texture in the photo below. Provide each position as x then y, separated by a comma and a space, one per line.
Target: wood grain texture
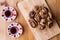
27, 35
25, 7
55, 7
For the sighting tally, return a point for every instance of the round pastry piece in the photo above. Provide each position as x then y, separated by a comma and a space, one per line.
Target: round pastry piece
42, 27
37, 8
45, 9
42, 24
43, 21
37, 17
15, 30
8, 13
32, 14
33, 23
50, 24
44, 12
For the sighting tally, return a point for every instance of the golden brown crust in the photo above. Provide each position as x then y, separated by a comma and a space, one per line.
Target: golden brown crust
33, 23
41, 16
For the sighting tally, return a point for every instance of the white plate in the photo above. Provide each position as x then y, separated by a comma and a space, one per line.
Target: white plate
17, 33
12, 13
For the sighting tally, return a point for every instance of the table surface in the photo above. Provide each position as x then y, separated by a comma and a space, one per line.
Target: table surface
27, 34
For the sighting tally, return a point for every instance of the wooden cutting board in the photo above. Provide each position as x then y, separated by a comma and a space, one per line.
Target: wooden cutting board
25, 7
